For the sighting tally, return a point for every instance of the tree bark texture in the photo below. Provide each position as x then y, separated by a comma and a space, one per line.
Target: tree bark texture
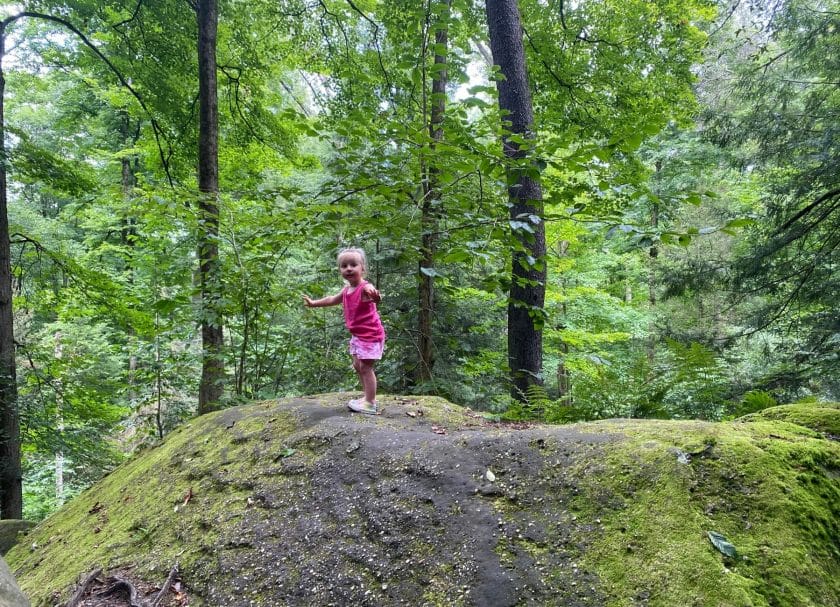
527, 291
431, 207
212, 365
11, 492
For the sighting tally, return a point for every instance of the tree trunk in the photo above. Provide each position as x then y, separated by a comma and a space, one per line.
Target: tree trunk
212, 366
527, 291
128, 237
564, 380
11, 492
430, 209
654, 254
58, 352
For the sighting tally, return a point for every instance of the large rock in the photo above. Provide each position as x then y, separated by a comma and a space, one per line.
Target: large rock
299, 502
10, 594
10, 530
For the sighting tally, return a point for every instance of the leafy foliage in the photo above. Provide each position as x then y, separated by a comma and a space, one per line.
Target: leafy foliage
690, 216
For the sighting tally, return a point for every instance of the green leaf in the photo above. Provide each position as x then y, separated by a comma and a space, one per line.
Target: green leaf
429, 272
740, 222
523, 226
456, 256
722, 544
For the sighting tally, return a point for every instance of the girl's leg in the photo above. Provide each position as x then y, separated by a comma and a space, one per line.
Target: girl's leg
357, 366
367, 377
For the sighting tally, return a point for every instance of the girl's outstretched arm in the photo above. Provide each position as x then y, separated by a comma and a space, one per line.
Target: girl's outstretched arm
330, 300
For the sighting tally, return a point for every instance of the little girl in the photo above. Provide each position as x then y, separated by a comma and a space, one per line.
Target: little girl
359, 299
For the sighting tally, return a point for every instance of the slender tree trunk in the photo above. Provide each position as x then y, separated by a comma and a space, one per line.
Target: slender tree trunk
212, 366
527, 291
11, 491
564, 380
654, 255
59, 424
243, 348
128, 237
431, 207
158, 379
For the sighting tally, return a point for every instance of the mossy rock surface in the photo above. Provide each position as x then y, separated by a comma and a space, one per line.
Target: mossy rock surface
10, 532
299, 502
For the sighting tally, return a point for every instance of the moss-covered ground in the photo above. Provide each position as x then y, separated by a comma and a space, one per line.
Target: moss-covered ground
769, 487
297, 502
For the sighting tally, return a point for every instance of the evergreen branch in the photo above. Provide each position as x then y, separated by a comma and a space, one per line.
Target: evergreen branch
807, 210
726, 19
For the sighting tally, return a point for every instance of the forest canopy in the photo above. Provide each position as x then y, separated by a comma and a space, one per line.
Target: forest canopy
657, 236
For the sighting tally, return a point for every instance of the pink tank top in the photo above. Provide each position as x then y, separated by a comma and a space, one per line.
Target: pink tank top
361, 317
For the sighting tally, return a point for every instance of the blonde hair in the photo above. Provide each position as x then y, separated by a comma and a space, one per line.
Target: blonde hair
353, 251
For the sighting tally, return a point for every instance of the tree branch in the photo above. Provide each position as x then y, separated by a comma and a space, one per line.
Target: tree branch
375, 41
156, 129
807, 210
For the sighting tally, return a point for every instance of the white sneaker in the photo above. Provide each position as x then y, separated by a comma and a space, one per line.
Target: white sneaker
360, 405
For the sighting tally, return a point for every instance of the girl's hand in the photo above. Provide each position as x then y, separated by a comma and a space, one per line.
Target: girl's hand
307, 301
372, 293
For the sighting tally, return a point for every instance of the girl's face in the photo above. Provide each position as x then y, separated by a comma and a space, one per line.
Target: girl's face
351, 268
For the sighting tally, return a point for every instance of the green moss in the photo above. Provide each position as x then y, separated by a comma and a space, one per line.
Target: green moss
820, 417
206, 461
770, 488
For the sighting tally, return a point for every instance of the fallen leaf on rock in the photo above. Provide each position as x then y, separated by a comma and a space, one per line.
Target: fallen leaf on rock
411, 413
722, 544
438, 430
490, 476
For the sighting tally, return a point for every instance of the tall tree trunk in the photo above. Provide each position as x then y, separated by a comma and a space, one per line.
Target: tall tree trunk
430, 209
128, 237
564, 380
58, 352
11, 492
527, 291
654, 255
212, 366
